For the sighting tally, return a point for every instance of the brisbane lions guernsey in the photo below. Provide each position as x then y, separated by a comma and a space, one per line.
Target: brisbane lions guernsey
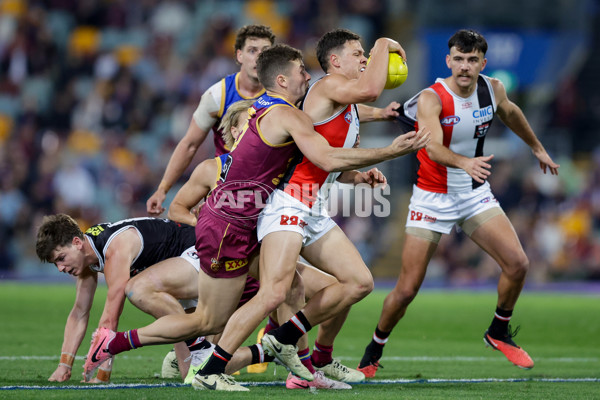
253, 169
226, 92
161, 239
465, 123
310, 184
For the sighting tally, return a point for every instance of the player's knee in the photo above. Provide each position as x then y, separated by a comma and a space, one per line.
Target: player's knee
361, 287
402, 297
518, 267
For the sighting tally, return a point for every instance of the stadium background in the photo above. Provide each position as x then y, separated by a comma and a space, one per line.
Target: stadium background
94, 95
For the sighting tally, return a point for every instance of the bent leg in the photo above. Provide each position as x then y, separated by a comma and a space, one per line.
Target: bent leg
498, 238
335, 254
416, 254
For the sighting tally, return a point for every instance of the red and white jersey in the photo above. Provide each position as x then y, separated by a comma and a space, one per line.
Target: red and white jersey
465, 123
307, 182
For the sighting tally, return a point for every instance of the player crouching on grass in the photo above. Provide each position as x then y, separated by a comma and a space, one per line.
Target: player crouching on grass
151, 260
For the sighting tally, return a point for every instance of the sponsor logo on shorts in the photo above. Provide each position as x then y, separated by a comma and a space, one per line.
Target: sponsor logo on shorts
450, 120
488, 200
293, 220
419, 216
232, 265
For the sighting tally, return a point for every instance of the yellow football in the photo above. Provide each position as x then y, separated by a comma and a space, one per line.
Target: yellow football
397, 71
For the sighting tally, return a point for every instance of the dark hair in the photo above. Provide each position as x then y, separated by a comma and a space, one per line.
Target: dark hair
331, 41
56, 230
275, 61
253, 31
467, 40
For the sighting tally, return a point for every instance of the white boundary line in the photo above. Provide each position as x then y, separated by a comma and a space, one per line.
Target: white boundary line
281, 383
418, 358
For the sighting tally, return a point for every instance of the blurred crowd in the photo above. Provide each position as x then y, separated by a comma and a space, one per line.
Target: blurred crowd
94, 96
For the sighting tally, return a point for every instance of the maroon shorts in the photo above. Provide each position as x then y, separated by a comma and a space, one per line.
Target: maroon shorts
252, 286
224, 248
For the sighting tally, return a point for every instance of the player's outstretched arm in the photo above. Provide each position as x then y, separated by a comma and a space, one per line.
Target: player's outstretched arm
513, 117
76, 325
192, 192
180, 159
314, 146
368, 113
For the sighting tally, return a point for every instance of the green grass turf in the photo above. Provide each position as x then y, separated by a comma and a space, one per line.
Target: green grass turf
439, 338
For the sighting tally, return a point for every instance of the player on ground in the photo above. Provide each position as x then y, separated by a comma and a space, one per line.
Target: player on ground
452, 189
153, 261
226, 227
249, 42
288, 222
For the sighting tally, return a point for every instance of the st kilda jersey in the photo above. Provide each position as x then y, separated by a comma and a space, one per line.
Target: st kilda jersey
465, 123
161, 239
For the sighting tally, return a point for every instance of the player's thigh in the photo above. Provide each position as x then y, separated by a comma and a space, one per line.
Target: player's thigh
335, 254
279, 253
218, 297
498, 238
416, 254
175, 276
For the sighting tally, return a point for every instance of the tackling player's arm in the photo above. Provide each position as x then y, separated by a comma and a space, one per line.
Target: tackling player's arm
429, 108
513, 117
299, 126
204, 118
76, 324
372, 177
192, 192
368, 113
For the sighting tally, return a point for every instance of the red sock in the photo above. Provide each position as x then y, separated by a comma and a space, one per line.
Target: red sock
124, 341
322, 355
271, 325
304, 356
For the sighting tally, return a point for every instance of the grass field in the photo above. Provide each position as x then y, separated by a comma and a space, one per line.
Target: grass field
436, 352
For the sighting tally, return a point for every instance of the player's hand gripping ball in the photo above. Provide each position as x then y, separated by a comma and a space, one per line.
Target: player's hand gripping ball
397, 71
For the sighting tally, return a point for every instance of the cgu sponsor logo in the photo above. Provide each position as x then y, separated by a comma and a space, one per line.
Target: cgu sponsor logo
450, 120
483, 112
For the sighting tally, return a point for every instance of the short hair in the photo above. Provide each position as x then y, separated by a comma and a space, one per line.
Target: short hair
231, 118
253, 31
467, 40
275, 61
56, 230
333, 40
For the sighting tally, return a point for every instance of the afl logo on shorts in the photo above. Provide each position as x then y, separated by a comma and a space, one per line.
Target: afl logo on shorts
348, 117
450, 120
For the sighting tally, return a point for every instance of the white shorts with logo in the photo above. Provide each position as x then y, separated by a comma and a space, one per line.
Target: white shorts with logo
285, 213
190, 256
439, 212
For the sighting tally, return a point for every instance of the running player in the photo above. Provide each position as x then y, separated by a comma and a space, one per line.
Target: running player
451, 189
250, 41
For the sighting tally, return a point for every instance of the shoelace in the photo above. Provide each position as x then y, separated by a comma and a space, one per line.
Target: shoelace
511, 334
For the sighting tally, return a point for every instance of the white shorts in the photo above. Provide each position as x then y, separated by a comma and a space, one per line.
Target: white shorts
439, 212
285, 213
190, 256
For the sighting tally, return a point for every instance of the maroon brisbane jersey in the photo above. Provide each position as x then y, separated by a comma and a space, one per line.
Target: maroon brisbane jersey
252, 171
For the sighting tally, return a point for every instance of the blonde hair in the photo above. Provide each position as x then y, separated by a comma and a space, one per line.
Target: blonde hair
230, 119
